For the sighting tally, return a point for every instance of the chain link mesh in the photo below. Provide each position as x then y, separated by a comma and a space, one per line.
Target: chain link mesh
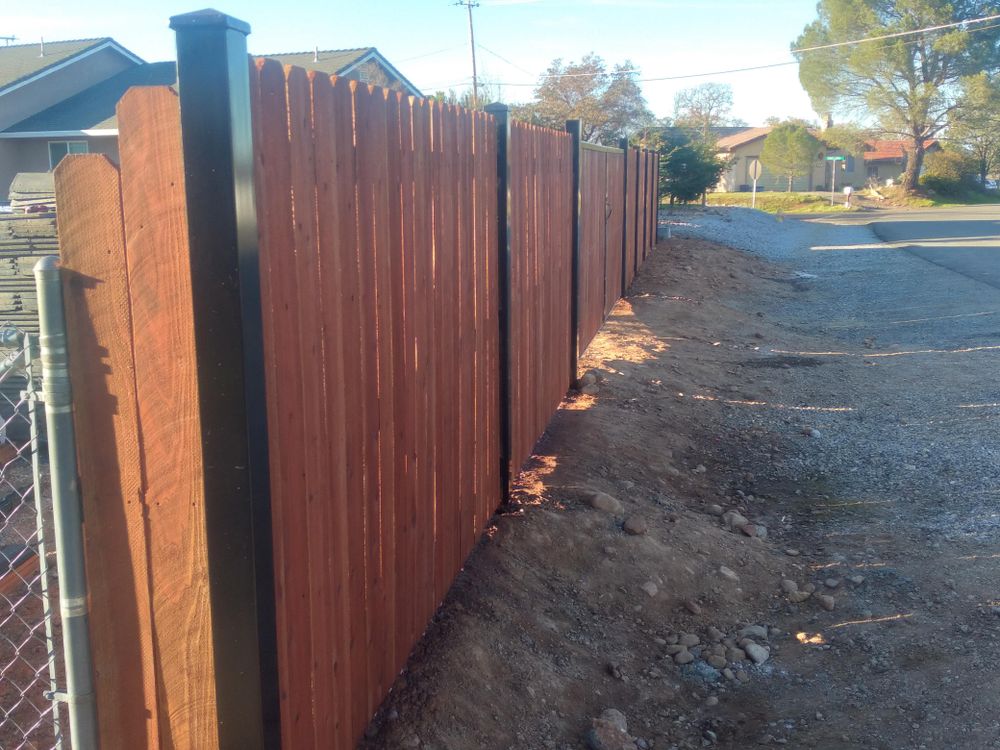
30, 644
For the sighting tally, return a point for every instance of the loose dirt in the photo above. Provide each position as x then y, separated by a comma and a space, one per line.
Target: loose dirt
757, 518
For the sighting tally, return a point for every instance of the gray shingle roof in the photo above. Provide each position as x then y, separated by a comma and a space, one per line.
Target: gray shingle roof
94, 108
20, 61
329, 61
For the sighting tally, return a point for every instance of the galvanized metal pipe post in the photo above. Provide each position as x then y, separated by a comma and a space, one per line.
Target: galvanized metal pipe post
41, 535
66, 509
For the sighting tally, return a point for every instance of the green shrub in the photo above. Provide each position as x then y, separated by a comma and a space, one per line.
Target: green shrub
949, 172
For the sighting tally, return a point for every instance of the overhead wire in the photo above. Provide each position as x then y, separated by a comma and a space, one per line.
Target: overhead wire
750, 68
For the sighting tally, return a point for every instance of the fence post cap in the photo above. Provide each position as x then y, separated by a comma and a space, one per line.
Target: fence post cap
208, 18
47, 264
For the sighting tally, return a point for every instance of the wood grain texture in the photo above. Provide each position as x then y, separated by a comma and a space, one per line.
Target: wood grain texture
540, 281
334, 153
279, 292
155, 220
613, 232
99, 328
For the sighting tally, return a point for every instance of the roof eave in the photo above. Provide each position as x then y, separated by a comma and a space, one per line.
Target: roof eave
374, 54
86, 133
107, 44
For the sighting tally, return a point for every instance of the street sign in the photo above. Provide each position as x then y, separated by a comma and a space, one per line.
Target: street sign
755, 170
836, 158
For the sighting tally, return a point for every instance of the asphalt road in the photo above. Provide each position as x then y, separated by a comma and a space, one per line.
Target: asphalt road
965, 240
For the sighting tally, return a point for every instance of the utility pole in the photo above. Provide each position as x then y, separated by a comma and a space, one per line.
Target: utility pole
469, 5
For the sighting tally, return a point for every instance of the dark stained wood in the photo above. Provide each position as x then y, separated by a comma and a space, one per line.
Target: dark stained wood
423, 255
613, 232
99, 328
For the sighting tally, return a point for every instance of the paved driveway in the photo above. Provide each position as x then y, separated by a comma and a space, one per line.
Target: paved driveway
965, 240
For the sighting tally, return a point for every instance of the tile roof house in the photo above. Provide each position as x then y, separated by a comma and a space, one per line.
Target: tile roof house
881, 161
60, 97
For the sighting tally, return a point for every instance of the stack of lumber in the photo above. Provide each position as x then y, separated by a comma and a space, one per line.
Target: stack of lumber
33, 193
24, 238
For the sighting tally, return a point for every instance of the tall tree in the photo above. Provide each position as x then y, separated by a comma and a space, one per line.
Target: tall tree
701, 109
610, 104
976, 128
790, 150
908, 84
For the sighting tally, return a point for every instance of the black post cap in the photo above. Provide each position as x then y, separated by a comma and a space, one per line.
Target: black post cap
208, 18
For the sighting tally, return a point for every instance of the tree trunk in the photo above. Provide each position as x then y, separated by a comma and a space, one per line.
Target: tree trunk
914, 163
790, 178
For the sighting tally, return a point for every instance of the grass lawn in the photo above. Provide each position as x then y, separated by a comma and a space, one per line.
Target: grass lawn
785, 203
897, 197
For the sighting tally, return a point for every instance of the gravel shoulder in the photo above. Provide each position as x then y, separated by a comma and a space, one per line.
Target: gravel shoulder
771, 521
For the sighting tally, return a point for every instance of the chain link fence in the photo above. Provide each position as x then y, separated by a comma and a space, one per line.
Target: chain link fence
30, 629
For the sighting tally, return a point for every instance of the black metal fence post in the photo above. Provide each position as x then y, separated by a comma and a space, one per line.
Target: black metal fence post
501, 112
623, 144
574, 128
656, 193
638, 249
213, 77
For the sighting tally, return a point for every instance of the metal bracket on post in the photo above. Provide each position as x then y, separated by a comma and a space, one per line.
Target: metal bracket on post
216, 132
575, 128
67, 510
501, 114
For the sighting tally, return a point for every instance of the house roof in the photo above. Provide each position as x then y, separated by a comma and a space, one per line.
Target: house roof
94, 108
330, 61
875, 150
340, 62
746, 135
878, 150
19, 62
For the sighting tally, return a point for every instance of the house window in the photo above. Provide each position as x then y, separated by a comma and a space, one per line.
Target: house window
59, 149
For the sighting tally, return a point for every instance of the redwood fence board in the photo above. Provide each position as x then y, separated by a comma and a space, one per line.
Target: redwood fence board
377, 219
99, 321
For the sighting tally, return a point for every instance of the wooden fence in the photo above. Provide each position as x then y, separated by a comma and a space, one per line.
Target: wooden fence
540, 286
258, 579
378, 247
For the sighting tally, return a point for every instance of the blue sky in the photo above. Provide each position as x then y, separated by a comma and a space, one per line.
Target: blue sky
428, 39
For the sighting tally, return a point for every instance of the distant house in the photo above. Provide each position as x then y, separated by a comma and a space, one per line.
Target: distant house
882, 160
35, 78
364, 64
59, 98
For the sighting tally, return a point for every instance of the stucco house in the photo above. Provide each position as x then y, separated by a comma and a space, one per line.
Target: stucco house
881, 161
59, 98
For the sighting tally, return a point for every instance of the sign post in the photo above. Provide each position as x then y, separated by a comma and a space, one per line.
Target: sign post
755, 170
833, 173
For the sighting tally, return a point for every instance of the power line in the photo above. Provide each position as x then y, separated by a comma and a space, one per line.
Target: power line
898, 34
425, 54
750, 68
504, 59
